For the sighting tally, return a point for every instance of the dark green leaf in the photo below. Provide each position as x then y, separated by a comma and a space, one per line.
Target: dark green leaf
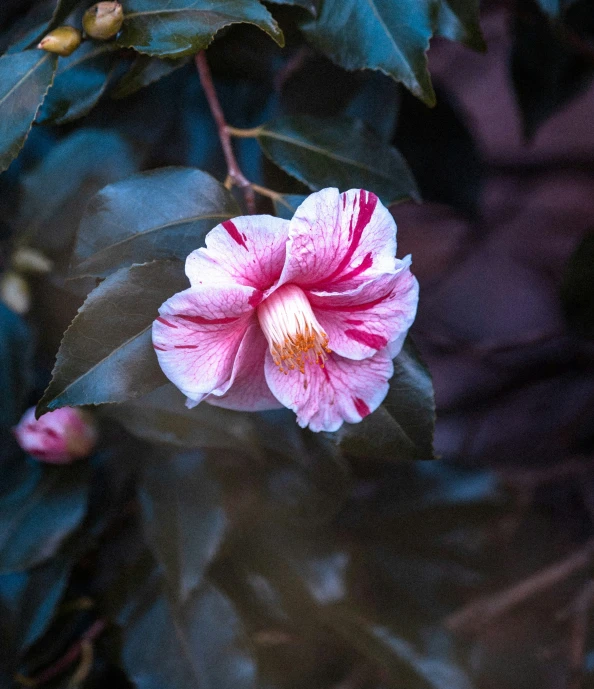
54, 193
387, 35
459, 21
185, 647
555, 7
176, 28
286, 205
437, 141
184, 520
312, 6
16, 372
404, 665
162, 417
547, 68
63, 9
28, 601
145, 70
40, 20
107, 354
337, 151
402, 428
40, 506
163, 213
80, 82
578, 288
24, 80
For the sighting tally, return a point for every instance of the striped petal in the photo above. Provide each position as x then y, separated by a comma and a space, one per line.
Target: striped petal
362, 321
343, 390
248, 250
198, 334
248, 389
339, 241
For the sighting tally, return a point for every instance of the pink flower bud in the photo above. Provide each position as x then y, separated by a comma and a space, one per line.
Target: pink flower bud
58, 437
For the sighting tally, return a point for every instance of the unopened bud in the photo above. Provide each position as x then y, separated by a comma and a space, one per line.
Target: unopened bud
103, 20
15, 292
58, 437
28, 260
63, 41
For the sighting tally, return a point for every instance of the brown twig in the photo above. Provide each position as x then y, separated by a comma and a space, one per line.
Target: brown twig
234, 172
472, 617
71, 656
580, 620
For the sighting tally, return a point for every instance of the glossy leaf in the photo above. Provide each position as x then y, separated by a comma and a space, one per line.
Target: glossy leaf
402, 428
311, 6
144, 71
107, 354
392, 36
458, 20
395, 655
40, 506
55, 192
195, 645
183, 517
578, 288
548, 69
24, 81
161, 416
337, 151
385, 35
437, 141
80, 82
175, 28
16, 369
28, 602
286, 205
164, 213
62, 10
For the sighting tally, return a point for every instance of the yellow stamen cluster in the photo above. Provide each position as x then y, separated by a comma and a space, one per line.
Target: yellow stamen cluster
294, 335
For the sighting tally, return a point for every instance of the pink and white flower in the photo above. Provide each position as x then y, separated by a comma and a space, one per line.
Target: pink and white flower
305, 314
58, 437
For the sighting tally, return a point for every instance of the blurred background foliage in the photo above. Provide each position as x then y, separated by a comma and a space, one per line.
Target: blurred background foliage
210, 549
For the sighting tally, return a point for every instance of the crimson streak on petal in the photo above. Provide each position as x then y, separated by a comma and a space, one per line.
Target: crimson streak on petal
369, 339
235, 234
361, 407
199, 320
366, 209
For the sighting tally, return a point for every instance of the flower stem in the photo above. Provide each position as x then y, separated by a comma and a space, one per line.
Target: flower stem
234, 172
274, 195
244, 133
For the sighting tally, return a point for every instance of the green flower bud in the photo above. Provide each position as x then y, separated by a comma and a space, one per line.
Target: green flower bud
64, 41
15, 292
103, 20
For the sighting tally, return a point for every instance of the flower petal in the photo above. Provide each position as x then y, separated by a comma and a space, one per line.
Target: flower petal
338, 241
198, 334
248, 250
362, 321
249, 390
344, 390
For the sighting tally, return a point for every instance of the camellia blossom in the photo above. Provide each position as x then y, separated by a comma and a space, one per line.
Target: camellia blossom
306, 314
58, 437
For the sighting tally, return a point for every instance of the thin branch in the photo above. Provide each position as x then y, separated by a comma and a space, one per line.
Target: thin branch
581, 609
244, 133
234, 171
274, 195
481, 612
75, 651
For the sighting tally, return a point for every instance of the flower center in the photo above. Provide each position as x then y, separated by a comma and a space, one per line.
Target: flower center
294, 335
